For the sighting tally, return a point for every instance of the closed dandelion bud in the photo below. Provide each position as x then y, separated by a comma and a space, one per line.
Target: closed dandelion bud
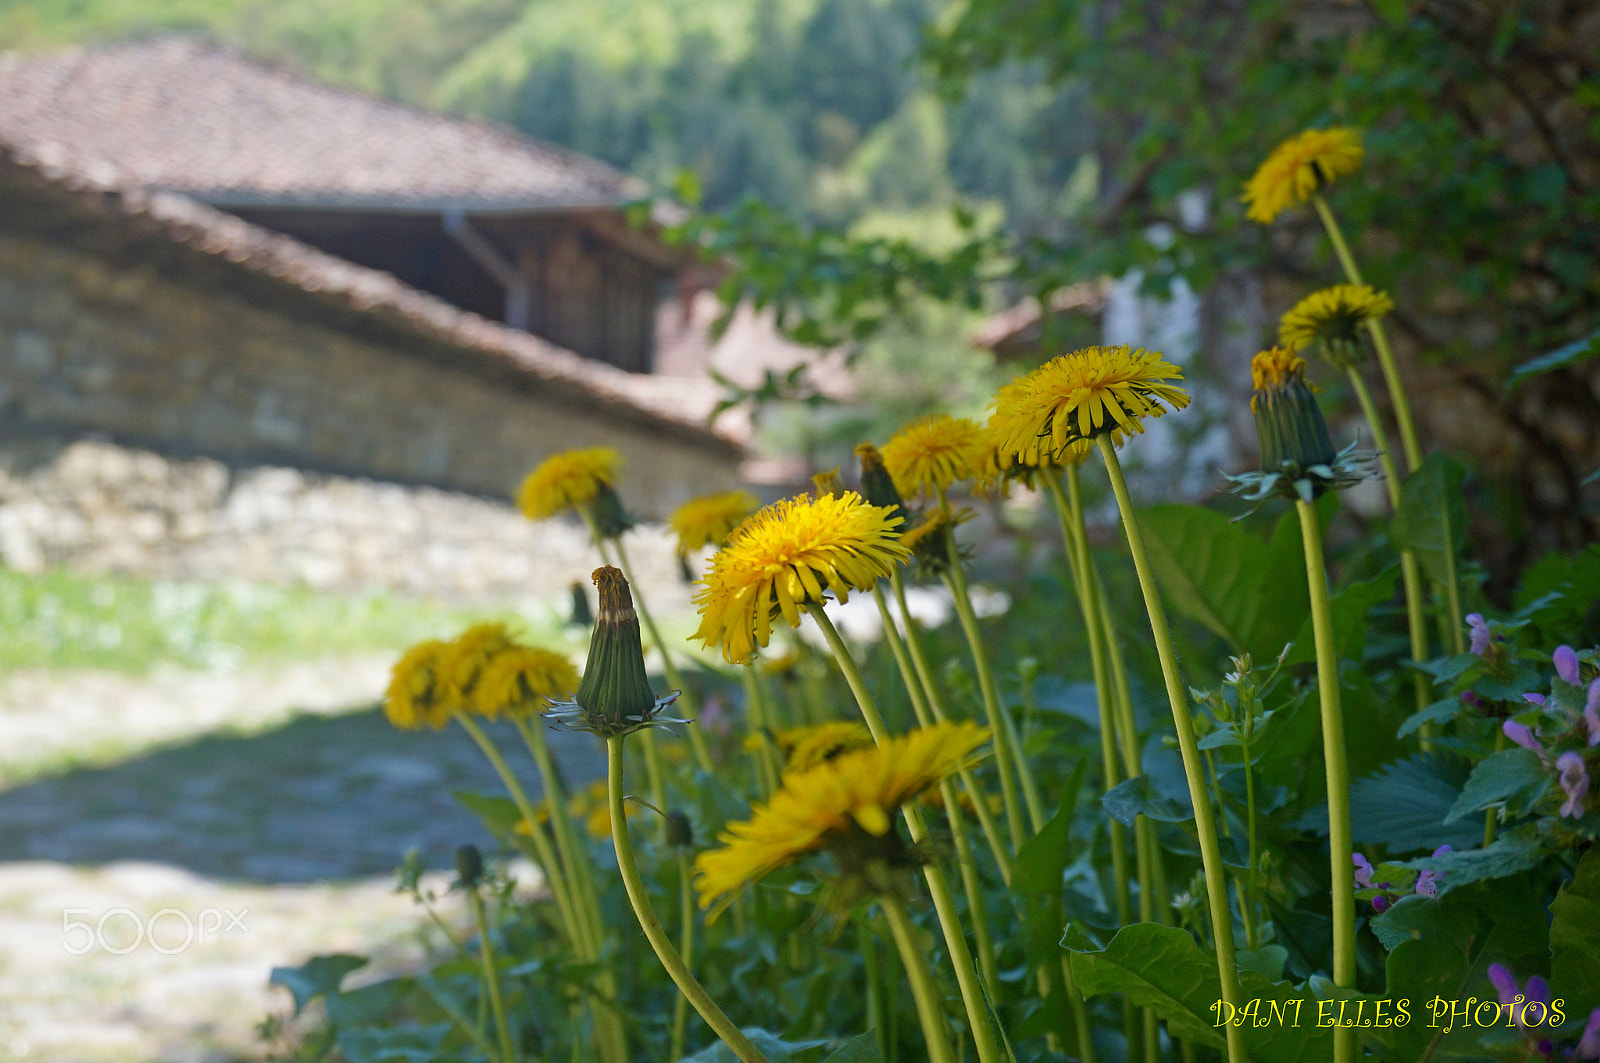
679, 832
469, 867
877, 486
614, 697
582, 616
1288, 421
605, 508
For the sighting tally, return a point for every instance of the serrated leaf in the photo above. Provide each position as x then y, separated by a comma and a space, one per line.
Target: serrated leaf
1134, 797
1439, 712
1575, 937
1404, 921
1403, 806
1509, 854
1501, 777
1248, 592
317, 976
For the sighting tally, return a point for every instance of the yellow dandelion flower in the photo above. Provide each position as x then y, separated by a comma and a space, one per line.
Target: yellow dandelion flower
840, 804
710, 519
415, 697
592, 807
569, 478
522, 679
804, 748
1050, 414
930, 454
464, 660
792, 553
1298, 168
1332, 319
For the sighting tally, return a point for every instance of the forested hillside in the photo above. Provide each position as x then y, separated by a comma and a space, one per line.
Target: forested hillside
812, 105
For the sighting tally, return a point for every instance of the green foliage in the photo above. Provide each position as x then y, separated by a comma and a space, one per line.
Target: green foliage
1575, 937
1431, 509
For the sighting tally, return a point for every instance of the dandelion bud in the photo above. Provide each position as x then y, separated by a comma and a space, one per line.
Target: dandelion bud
1288, 421
614, 697
877, 486
679, 832
582, 616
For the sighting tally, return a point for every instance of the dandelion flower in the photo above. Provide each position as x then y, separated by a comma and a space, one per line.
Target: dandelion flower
415, 697
845, 805
930, 454
1298, 460
569, 478
1298, 168
1049, 414
1332, 319
464, 659
804, 748
709, 519
519, 679
792, 554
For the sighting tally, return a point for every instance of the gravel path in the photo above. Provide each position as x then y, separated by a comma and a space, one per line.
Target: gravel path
278, 792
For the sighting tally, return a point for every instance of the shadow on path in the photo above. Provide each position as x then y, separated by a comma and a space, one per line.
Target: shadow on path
319, 798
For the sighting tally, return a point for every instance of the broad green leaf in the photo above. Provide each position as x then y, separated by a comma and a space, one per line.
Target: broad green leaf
1250, 593
499, 814
1439, 712
1127, 800
1043, 858
1162, 968
1501, 777
1575, 938
369, 1003
317, 976
863, 1048
1579, 350
1452, 942
1308, 937
1404, 921
771, 1046
1403, 807
1349, 608
1509, 854
1430, 507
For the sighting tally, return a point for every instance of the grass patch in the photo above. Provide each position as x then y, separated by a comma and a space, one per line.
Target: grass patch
63, 620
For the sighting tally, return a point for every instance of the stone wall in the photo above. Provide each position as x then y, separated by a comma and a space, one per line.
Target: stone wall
98, 507
187, 365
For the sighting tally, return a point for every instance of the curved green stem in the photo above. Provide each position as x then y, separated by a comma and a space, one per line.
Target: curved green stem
680, 1007
1205, 826
491, 978
686, 982
1333, 751
767, 768
935, 1031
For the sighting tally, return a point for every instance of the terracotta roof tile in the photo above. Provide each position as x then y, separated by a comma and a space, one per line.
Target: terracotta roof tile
184, 115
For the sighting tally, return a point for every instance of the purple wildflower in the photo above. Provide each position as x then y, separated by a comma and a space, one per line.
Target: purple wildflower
1566, 661
1504, 982
1575, 781
1534, 699
1537, 991
1589, 1043
1380, 904
1473, 700
1591, 713
1363, 871
1522, 735
1428, 881
1480, 634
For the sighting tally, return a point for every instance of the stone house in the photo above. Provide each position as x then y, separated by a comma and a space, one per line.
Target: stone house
205, 259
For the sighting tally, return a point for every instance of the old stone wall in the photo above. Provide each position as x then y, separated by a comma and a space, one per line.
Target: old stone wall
143, 357
98, 507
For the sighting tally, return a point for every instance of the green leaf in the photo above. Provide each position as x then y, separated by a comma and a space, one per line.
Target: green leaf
317, 976
1439, 712
396, 1044
499, 814
1580, 350
1500, 777
863, 1048
1349, 608
1308, 937
1404, 921
1431, 520
1134, 797
771, 1046
1403, 807
1575, 938
1162, 968
1509, 854
1250, 593
1043, 858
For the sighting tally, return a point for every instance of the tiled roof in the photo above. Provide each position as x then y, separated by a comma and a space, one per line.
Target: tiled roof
674, 407
180, 114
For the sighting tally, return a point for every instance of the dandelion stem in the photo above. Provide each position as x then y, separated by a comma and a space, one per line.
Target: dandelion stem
1205, 826
680, 1007
944, 904
719, 1022
760, 730
491, 978
935, 1031
647, 738
1333, 751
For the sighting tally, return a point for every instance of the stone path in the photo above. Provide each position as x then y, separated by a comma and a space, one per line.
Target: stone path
282, 792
